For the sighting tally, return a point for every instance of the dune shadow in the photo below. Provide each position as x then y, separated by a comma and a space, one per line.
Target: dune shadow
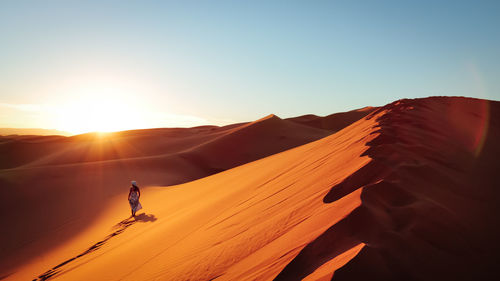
118, 229
336, 240
346, 233
343, 235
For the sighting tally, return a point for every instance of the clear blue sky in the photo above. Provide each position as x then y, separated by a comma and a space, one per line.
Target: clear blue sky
229, 61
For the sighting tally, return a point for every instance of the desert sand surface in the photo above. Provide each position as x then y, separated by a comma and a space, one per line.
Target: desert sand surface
407, 192
58, 186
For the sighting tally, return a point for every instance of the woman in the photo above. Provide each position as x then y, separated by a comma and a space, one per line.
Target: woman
133, 198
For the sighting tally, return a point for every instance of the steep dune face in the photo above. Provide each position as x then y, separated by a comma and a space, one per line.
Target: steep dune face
407, 193
430, 197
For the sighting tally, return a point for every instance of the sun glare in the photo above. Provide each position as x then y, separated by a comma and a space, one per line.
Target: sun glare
98, 114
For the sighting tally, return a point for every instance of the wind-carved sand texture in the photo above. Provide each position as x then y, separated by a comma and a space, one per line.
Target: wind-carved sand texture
409, 192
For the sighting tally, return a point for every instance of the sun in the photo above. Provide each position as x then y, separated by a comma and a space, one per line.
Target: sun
98, 113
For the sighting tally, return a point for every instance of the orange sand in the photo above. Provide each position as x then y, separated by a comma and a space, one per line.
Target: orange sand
407, 193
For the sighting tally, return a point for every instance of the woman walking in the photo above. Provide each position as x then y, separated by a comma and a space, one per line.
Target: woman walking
133, 198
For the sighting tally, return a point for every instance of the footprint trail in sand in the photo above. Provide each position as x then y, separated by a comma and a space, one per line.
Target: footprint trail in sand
120, 227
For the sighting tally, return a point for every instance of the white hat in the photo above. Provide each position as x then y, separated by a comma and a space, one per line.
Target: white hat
134, 183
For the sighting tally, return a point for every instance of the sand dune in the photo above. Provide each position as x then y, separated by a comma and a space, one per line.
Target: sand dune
243, 144
58, 185
406, 193
274, 133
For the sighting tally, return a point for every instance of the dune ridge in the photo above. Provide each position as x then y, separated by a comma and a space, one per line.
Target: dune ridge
333, 122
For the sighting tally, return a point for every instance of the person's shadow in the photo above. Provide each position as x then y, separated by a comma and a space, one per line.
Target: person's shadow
145, 217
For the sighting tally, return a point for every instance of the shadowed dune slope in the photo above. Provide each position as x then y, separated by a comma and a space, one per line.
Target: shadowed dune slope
406, 193
260, 138
243, 144
37, 151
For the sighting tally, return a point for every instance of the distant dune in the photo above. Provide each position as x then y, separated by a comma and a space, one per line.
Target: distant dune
408, 191
31, 131
334, 122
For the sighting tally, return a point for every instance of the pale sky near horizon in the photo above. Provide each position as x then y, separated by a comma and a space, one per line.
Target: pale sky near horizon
111, 65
